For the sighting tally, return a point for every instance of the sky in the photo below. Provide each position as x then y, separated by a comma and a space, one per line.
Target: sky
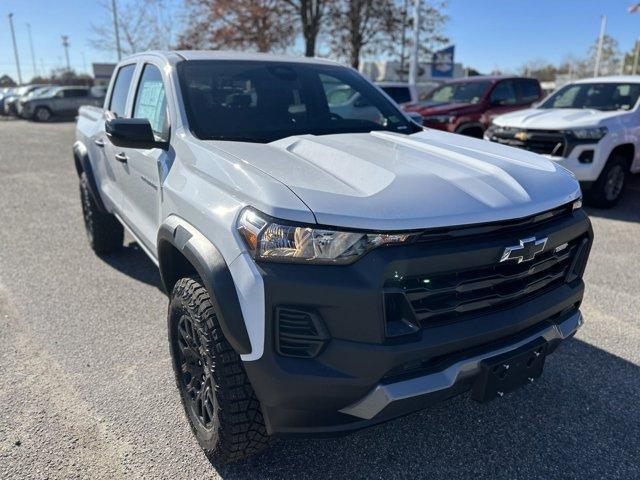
488, 34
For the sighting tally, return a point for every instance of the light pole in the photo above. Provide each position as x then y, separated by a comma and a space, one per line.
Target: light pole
114, 9
33, 55
413, 69
15, 48
603, 26
65, 44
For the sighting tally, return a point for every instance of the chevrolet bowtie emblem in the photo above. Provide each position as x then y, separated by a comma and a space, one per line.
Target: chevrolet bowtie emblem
522, 136
526, 251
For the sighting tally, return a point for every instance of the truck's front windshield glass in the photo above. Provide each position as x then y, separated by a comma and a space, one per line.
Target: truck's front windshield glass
605, 96
254, 101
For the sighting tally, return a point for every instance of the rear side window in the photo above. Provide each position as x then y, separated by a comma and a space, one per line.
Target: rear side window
399, 94
118, 100
504, 94
529, 91
151, 101
75, 93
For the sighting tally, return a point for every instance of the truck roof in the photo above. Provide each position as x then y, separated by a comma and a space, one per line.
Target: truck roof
611, 79
189, 55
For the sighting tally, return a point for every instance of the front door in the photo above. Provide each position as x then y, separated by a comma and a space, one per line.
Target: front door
145, 169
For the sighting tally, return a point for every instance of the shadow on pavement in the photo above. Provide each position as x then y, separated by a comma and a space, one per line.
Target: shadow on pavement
580, 421
132, 261
628, 210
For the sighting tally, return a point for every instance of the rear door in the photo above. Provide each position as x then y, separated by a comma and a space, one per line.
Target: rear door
145, 168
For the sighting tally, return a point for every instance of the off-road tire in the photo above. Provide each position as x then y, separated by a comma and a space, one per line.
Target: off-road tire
41, 114
603, 194
104, 232
235, 428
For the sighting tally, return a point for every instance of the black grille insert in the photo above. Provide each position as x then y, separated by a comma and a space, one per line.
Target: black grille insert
299, 333
448, 296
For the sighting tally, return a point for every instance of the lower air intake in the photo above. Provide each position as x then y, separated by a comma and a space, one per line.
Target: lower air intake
299, 333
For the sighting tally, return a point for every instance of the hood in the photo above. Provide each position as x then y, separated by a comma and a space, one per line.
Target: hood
388, 181
442, 109
554, 118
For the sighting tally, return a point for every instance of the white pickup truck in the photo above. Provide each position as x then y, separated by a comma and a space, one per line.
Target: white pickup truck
325, 273
591, 127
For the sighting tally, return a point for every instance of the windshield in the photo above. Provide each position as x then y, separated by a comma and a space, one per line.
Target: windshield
458, 92
598, 96
253, 101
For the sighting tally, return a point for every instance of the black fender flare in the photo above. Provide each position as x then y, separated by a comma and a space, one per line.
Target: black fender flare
83, 165
214, 272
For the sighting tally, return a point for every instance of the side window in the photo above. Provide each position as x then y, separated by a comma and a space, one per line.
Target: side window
151, 101
75, 93
120, 91
504, 94
347, 104
529, 91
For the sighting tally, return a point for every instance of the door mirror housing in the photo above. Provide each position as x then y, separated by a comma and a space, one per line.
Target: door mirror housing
132, 133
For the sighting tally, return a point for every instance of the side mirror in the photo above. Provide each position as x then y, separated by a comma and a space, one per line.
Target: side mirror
132, 133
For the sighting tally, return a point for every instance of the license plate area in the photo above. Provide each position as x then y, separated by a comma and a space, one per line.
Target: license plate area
505, 373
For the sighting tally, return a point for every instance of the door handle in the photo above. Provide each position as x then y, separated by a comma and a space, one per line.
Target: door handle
121, 157
99, 143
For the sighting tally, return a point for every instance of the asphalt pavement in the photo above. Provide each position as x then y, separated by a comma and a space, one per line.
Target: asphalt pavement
87, 390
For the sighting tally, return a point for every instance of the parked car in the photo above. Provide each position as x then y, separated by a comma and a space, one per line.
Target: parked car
10, 106
61, 101
4, 93
406, 94
38, 92
591, 127
325, 272
467, 106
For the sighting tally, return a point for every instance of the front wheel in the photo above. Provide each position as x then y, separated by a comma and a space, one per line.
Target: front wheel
607, 190
218, 399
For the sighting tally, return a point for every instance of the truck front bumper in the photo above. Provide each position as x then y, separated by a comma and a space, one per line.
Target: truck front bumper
358, 373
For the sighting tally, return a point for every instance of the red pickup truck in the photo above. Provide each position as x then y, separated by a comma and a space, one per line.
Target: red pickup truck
468, 105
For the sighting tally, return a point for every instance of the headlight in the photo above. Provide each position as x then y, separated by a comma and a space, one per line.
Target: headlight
595, 133
577, 204
439, 118
269, 239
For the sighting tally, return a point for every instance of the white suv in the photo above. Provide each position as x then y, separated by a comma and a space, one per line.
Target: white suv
591, 127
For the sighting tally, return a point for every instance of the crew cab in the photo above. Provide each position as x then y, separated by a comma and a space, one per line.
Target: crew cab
468, 105
325, 273
591, 127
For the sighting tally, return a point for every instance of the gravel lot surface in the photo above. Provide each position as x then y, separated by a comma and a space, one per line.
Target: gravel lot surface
86, 387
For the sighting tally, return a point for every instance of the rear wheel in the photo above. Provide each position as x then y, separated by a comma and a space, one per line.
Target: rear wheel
42, 114
607, 190
220, 403
104, 232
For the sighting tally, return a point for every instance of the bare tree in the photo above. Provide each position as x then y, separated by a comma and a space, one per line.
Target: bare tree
143, 24
310, 13
432, 21
610, 58
357, 26
263, 25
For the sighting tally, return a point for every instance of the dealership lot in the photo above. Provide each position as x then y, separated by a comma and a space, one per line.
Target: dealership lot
87, 389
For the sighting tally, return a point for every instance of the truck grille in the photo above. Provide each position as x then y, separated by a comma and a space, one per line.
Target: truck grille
546, 142
451, 295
